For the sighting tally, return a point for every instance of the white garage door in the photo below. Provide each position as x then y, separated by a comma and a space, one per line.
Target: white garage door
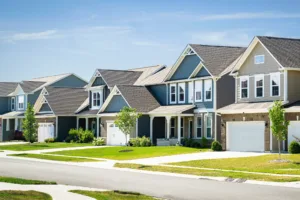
45, 131
294, 131
115, 137
245, 136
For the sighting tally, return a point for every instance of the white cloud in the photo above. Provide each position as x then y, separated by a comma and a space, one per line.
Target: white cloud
33, 36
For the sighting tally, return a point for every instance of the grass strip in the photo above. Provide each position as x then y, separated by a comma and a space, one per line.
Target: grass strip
54, 158
25, 181
23, 195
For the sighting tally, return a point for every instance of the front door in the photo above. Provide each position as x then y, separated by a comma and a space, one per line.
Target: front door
191, 128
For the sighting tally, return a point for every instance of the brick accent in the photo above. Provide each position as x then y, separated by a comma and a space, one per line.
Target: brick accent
248, 117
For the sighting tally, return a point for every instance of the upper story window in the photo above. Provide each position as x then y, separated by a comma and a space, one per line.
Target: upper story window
173, 93
13, 103
275, 84
208, 90
259, 59
21, 102
259, 86
96, 99
198, 91
191, 92
244, 85
181, 92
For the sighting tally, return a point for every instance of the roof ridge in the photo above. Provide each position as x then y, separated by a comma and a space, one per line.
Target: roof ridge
146, 67
52, 76
281, 38
227, 46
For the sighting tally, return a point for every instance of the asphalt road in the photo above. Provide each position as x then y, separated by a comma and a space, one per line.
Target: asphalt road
168, 187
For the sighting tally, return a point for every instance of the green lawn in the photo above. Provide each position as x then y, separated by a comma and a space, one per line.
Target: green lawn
24, 181
253, 164
23, 195
216, 173
55, 158
39, 146
113, 195
116, 153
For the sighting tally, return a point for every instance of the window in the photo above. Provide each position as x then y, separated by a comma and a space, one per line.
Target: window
244, 84
207, 90
199, 127
172, 128
96, 99
21, 102
173, 93
13, 103
7, 125
208, 126
191, 92
275, 84
259, 86
181, 92
259, 59
181, 127
198, 91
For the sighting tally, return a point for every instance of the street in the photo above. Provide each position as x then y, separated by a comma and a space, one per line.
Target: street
163, 186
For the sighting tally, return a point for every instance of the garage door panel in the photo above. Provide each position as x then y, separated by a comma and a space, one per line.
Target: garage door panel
245, 136
45, 131
293, 131
115, 136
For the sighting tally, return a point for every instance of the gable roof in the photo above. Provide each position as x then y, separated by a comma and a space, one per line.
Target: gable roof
147, 72
29, 86
216, 59
7, 87
157, 78
119, 77
285, 50
65, 101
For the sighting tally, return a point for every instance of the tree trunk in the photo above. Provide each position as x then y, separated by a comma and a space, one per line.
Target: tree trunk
279, 150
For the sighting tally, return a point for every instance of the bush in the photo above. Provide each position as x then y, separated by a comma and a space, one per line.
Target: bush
80, 136
50, 140
195, 144
187, 142
294, 147
140, 142
74, 135
204, 142
98, 141
216, 146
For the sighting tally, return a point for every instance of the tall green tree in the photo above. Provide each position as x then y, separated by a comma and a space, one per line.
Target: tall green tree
30, 127
126, 120
279, 125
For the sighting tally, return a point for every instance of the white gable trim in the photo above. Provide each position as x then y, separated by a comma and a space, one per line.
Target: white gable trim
41, 100
248, 51
95, 75
198, 68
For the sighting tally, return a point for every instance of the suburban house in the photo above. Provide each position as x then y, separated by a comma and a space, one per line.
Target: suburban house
268, 71
28, 92
187, 96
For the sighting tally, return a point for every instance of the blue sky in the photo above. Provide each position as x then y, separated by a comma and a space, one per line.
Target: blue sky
41, 38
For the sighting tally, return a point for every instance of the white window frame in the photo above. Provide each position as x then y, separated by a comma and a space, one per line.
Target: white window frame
271, 86
197, 127
181, 85
257, 78
100, 96
208, 81
23, 104
208, 118
181, 127
7, 125
191, 92
200, 89
259, 59
13, 99
243, 78
175, 93
172, 127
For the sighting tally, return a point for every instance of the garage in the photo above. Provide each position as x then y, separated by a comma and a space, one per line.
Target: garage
245, 136
293, 131
45, 131
115, 136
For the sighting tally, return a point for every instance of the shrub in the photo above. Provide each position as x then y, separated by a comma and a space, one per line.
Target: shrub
294, 147
74, 135
195, 144
98, 141
187, 142
216, 146
86, 136
204, 142
140, 142
50, 140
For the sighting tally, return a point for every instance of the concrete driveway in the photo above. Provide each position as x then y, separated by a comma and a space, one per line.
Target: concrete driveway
193, 156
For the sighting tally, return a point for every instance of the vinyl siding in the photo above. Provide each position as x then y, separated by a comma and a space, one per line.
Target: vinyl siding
293, 86
33, 97
4, 105
116, 104
187, 66
159, 92
70, 81
225, 91
202, 73
45, 107
8, 135
98, 82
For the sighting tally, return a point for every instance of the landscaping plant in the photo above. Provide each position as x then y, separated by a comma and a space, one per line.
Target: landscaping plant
140, 142
49, 140
126, 120
294, 147
98, 141
80, 136
279, 124
216, 146
30, 127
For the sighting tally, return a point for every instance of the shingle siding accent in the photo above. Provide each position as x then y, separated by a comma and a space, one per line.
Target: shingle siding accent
187, 66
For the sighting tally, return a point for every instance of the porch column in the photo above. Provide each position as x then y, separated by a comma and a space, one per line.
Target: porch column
168, 119
86, 123
16, 123
97, 127
151, 128
179, 129
77, 123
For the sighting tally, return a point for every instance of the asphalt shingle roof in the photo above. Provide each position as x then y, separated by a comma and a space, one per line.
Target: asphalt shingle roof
285, 50
29, 86
65, 101
119, 77
138, 97
7, 87
217, 58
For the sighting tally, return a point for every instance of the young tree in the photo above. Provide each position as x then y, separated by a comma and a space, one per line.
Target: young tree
29, 125
279, 125
126, 120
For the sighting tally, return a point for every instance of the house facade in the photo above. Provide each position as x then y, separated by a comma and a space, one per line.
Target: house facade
268, 71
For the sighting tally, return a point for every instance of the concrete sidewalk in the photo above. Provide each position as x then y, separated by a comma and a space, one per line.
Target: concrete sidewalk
58, 192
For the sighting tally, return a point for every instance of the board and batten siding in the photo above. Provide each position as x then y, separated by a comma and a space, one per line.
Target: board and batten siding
186, 67
144, 126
